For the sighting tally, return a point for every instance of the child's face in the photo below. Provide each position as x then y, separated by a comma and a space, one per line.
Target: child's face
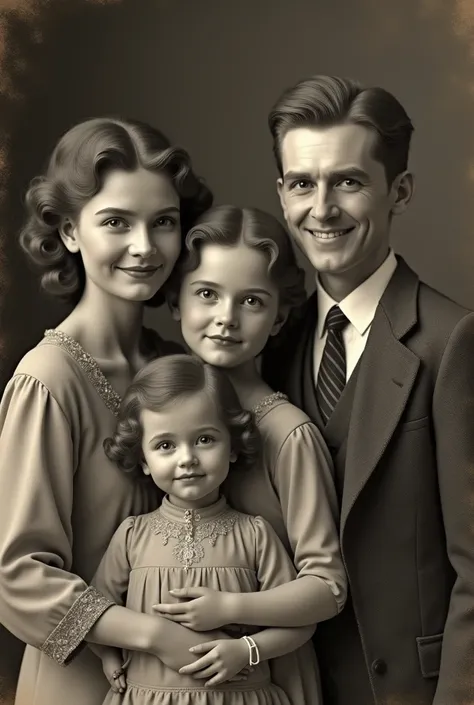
228, 306
128, 234
187, 450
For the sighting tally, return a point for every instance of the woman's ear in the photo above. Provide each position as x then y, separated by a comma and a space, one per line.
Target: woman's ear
173, 305
68, 234
145, 468
280, 320
233, 456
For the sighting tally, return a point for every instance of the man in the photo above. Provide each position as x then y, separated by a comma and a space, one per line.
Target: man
384, 365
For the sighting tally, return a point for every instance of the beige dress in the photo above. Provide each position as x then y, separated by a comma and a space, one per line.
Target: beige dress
61, 500
215, 547
293, 489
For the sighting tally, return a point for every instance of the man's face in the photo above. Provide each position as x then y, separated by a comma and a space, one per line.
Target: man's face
336, 199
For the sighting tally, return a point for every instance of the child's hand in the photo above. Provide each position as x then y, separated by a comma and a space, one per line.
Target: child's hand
112, 664
201, 608
222, 661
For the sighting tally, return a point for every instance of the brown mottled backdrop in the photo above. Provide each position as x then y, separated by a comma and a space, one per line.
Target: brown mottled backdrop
206, 73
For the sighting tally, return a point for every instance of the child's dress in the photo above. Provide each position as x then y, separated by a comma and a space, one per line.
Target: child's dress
215, 547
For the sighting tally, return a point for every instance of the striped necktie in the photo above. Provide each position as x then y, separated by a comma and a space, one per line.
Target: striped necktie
332, 370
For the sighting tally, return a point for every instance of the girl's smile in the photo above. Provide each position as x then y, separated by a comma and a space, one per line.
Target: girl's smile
228, 306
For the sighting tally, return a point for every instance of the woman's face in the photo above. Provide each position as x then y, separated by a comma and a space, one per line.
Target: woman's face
128, 234
228, 306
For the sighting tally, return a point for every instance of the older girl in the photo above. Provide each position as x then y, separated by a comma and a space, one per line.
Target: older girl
237, 281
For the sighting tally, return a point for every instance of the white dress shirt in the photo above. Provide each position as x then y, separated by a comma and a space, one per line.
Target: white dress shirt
359, 307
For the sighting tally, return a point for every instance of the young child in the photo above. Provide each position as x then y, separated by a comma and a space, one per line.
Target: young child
236, 283
181, 425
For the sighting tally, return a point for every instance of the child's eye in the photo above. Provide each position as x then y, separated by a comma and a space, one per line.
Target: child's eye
164, 445
253, 301
207, 294
205, 440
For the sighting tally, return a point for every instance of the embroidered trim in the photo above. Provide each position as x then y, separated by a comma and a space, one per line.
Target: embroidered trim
189, 534
87, 363
71, 630
266, 402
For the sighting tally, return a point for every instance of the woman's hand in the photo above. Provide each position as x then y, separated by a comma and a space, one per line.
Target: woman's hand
223, 659
200, 608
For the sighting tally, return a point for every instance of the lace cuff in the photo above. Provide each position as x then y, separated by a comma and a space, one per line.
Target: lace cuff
67, 636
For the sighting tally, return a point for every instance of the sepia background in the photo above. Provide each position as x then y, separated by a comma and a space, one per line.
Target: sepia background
206, 73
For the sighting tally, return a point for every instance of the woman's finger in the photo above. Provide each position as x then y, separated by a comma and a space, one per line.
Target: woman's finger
211, 670
203, 648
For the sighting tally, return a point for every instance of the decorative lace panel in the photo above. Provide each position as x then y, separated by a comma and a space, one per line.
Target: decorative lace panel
267, 402
189, 534
71, 630
89, 366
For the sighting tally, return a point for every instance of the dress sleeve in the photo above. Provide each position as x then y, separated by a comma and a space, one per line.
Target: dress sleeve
274, 566
302, 477
112, 575
42, 602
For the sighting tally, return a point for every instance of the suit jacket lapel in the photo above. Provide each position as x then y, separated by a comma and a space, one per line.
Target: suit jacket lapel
301, 339
387, 373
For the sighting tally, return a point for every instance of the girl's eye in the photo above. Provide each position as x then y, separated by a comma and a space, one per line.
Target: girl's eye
253, 302
164, 445
205, 440
206, 294
115, 223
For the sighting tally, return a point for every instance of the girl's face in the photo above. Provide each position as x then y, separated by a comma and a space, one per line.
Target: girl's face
128, 234
187, 450
228, 306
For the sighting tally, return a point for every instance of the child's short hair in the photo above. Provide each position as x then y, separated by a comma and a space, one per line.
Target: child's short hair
165, 380
229, 226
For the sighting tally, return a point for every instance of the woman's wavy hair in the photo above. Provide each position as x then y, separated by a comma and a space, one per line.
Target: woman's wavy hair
229, 226
76, 172
166, 380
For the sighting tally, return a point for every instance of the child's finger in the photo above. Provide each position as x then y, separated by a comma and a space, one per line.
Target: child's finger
203, 648
216, 680
198, 665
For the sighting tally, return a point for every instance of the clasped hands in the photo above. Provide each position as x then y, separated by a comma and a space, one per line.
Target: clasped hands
202, 609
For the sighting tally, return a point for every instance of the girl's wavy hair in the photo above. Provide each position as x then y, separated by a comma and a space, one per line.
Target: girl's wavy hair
229, 226
169, 379
75, 174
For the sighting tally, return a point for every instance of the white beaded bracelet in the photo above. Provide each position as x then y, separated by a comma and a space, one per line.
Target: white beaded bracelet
254, 653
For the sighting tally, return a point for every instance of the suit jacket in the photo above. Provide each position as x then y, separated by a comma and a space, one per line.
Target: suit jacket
407, 508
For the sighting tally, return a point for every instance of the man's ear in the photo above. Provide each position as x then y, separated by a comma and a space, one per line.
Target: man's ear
401, 192
68, 235
281, 194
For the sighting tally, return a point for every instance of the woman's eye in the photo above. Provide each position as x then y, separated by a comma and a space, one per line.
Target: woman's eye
115, 223
164, 222
206, 294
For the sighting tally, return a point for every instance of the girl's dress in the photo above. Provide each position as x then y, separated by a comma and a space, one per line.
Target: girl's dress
61, 500
292, 487
215, 547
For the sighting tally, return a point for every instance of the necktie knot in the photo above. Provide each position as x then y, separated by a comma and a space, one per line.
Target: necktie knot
336, 320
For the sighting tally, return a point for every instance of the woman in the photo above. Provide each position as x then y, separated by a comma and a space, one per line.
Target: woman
104, 228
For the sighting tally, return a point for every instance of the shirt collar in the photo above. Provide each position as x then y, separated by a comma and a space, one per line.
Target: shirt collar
360, 305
